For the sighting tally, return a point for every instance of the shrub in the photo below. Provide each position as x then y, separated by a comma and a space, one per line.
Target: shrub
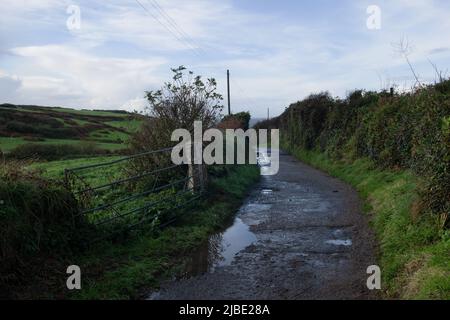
177, 105
239, 120
38, 218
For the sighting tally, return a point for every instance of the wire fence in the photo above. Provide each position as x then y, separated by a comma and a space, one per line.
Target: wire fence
127, 192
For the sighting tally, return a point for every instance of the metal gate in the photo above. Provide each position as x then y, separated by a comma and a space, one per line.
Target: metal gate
125, 192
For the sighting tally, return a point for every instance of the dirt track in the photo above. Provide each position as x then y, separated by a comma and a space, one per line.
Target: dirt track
307, 239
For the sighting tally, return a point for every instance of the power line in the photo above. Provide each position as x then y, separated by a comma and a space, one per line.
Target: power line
174, 24
182, 36
165, 27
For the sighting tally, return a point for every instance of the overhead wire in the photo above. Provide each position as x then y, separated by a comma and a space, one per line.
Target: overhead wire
182, 36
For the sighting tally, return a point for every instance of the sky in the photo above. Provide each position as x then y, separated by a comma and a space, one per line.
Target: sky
277, 51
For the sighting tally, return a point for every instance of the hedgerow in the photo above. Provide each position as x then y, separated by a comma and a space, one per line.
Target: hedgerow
404, 130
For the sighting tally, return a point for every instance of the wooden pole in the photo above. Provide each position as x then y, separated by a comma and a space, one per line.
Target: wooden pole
228, 92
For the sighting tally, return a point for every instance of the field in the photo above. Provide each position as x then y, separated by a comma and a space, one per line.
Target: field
106, 130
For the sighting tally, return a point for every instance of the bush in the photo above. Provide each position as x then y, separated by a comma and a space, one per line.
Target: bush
38, 218
239, 120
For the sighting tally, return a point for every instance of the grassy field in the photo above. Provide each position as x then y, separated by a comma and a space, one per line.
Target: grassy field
109, 130
414, 247
9, 143
55, 169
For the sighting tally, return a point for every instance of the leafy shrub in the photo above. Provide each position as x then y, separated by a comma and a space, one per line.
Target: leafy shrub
38, 218
234, 121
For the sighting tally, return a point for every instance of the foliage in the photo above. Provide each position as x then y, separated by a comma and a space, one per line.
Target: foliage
408, 130
234, 121
21, 124
38, 219
187, 98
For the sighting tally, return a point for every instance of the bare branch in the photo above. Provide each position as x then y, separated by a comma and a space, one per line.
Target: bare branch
404, 48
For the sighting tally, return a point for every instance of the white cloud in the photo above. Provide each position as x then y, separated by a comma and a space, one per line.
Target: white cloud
72, 77
8, 86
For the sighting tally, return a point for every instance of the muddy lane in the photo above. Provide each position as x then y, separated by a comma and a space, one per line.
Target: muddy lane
299, 235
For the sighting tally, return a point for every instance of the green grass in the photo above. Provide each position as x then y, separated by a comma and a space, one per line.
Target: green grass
7, 144
55, 169
113, 135
129, 125
87, 112
125, 271
414, 249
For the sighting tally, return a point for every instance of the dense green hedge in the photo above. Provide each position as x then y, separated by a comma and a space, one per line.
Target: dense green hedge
39, 220
409, 130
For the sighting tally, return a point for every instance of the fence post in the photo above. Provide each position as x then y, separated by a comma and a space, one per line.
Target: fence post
196, 172
198, 177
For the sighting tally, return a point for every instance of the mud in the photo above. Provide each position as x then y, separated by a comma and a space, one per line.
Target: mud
299, 235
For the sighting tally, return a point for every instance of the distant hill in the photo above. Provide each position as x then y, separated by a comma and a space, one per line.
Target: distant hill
20, 124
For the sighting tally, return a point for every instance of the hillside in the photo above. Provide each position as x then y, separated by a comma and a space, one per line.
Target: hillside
22, 124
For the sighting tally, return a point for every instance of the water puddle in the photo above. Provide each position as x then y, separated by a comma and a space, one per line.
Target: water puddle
346, 243
234, 239
221, 249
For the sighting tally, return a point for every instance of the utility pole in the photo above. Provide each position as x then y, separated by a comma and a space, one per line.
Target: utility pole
228, 91
268, 114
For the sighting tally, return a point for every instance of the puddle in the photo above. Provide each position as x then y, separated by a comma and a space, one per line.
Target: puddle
221, 249
346, 243
266, 191
234, 239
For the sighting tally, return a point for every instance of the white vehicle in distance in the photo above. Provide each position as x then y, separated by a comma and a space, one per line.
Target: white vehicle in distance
263, 159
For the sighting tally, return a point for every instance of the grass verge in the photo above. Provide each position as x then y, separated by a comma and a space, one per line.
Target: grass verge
130, 269
414, 253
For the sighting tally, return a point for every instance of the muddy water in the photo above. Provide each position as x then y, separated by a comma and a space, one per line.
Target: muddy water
299, 235
220, 249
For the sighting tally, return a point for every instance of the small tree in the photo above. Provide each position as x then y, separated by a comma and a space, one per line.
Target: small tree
187, 98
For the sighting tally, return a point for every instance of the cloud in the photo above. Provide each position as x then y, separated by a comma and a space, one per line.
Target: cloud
72, 77
8, 87
439, 50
